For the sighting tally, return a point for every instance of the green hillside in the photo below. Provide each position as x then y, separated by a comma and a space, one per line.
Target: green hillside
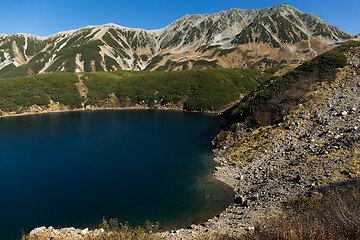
200, 90
17, 94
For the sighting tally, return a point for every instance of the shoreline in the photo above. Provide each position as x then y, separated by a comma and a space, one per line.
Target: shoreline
13, 114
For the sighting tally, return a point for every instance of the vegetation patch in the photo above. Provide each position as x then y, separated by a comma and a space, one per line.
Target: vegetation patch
226, 51
201, 90
201, 64
273, 70
155, 60
207, 48
245, 36
24, 92
329, 213
172, 65
6, 69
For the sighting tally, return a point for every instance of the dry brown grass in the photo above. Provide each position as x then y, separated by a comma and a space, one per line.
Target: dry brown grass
331, 213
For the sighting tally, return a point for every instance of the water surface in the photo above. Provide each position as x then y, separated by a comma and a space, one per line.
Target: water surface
71, 169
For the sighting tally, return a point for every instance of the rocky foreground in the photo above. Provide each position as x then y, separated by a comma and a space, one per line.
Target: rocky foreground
64, 233
316, 144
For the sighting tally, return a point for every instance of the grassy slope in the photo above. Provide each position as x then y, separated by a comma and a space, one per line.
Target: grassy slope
209, 89
192, 90
23, 92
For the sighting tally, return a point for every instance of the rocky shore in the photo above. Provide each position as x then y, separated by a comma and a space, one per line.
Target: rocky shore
37, 112
65, 233
316, 144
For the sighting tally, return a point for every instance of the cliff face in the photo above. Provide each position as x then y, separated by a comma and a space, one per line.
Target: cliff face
235, 38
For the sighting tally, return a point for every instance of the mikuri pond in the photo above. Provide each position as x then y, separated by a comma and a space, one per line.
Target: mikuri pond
73, 169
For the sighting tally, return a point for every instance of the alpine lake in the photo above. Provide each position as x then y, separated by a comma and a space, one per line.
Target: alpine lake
73, 169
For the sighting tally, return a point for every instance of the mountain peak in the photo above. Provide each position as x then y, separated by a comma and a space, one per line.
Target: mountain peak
28, 36
284, 6
283, 9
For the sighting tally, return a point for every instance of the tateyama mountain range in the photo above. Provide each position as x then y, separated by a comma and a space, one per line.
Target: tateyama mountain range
230, 39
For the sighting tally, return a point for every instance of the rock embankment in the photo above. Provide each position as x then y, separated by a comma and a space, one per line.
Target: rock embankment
65, 233
316, 144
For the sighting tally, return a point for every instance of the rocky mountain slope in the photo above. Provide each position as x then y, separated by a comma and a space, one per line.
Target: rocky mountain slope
315, 145
235, 38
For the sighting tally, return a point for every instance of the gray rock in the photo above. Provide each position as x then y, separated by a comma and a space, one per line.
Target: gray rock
37, 230
84, 231
251, 229
344, 113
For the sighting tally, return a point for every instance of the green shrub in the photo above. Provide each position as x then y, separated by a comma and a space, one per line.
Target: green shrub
226, 51
201, 90
274, 69
155, 60
23, 92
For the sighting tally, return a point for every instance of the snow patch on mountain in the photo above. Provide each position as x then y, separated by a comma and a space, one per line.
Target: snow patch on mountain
101, 32
79, 65
48, 63
7, 61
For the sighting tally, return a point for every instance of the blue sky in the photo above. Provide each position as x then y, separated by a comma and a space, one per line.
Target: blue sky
46, 17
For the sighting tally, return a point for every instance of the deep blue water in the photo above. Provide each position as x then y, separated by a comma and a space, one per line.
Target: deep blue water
72, 169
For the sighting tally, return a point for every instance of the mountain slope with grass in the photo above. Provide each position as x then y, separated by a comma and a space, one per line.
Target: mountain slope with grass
230, 39
193, 90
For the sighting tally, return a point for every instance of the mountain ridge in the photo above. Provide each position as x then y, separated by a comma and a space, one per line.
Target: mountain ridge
233, 38
148, 30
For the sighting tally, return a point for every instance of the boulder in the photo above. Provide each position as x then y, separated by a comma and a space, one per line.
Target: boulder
344, 113
239, 200
37, 230
84, 231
